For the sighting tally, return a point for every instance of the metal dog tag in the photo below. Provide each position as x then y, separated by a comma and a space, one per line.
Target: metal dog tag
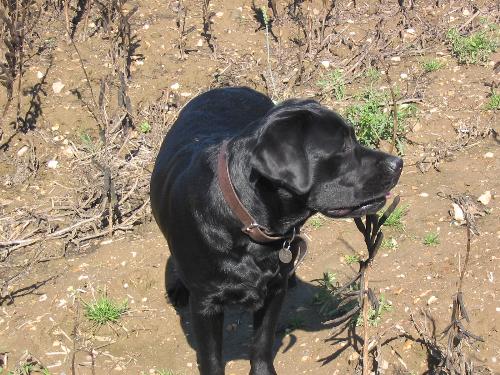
285, 255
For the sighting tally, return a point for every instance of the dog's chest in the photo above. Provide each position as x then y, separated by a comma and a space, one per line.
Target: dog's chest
248, 281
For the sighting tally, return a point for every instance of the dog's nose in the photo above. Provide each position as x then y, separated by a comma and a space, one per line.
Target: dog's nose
394, 164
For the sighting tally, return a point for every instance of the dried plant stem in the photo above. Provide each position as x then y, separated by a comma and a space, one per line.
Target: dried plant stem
269, 62
467, 256
87, 78
394, 111
366, 306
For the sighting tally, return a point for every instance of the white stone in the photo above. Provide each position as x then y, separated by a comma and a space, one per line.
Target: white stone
57, 87
410, 31
200, 43
175, 86
424, 195
403, 76
52, 164
146, 26
488, 155
219, 14
22, 150
432, 299
325, 63
39, 75
42, 298
458, 214
485, 197
395, 58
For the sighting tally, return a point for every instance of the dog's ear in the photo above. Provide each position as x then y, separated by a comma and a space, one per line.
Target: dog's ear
280, 154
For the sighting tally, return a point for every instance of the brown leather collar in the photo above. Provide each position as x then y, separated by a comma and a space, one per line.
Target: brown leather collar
250, 227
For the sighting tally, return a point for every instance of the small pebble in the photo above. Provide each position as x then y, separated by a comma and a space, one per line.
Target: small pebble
485, 197
325, 63
458, 214
219, 14
488, 155
39, 75
22, 150
52, 164
403, 76
424, 195
395, 58
57, 87
432, 299
175, 86
125, 285
42, 298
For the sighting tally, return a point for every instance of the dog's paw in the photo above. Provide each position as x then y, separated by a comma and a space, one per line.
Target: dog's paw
178, 294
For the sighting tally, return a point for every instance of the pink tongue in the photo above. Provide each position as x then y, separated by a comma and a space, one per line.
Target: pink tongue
387, 195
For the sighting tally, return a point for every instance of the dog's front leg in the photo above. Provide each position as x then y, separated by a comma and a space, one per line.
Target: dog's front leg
208, 332
264, 325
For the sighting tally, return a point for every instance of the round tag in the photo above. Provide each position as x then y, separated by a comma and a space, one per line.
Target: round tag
285, 255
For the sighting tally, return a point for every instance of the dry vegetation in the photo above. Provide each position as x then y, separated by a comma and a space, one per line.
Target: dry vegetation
304, 49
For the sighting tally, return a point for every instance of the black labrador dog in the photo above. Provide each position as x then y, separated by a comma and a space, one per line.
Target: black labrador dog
285, 163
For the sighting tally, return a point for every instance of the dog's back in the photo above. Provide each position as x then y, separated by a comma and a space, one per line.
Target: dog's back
196, 134
214, 115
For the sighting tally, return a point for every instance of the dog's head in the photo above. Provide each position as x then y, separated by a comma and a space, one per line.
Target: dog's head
312, 152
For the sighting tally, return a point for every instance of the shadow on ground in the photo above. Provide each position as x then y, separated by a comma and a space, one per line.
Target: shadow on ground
298, 313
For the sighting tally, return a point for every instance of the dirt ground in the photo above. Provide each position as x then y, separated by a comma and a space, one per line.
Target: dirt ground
42, 311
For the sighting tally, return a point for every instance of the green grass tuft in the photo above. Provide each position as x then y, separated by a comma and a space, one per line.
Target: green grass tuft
475, 48
351, 259
494, 102
432, 65
431, 239
333, 82
105, 311
145, 127
395, 220
390, 243
374, 316
373, 119
316, 221
372, 74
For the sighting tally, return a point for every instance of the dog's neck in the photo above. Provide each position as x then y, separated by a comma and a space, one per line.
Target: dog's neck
271, 206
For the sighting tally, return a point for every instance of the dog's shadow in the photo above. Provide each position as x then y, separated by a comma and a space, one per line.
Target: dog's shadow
298, 313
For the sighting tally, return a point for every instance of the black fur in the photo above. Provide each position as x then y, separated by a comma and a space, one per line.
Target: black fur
286, 162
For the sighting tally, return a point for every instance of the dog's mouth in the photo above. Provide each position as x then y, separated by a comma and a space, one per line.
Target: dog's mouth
369, 207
